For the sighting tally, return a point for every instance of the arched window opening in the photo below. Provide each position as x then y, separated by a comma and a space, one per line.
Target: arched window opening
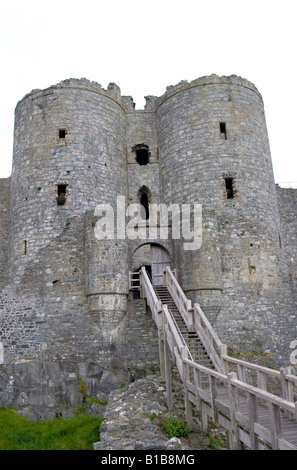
144, 200
145, 204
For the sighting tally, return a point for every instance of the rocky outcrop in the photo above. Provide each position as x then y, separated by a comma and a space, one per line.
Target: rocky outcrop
133, 417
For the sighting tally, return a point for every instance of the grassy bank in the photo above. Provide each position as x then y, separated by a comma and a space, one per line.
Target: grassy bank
19, 433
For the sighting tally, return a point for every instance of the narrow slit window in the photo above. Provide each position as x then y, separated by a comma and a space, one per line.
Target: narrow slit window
25, 247
144, 201
229, 188
61, 197
223, 130
62, 133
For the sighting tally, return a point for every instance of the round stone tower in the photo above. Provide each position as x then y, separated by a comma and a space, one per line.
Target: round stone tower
69, 156
214, 150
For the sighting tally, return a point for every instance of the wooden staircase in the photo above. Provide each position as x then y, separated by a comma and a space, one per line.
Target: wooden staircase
246, 403
192, 340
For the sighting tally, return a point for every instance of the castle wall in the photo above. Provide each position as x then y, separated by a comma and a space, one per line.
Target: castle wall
67, 300
49, 348
65, 297
4, 227
264, 305
287, 202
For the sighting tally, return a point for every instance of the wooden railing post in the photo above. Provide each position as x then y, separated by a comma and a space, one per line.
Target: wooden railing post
241, 373
275, 424
188, 404
191, 318
261, 380
224, 362
162, 357
252, 407
234, 441
198, 386
287, 386
213, 396
141, 290
167, 362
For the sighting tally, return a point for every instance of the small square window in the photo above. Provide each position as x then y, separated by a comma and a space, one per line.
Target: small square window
62, 133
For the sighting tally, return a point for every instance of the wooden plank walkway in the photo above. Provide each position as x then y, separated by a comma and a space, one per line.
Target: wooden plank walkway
261, 422
253, 417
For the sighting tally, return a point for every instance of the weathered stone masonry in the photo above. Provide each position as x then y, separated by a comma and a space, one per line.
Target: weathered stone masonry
65, 307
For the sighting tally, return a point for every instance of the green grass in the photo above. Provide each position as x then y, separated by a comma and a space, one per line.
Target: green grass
19, 433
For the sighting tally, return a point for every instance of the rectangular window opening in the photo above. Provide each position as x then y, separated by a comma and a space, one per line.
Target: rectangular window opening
25, 247
62, 133
223, 130
229, 188
61, 198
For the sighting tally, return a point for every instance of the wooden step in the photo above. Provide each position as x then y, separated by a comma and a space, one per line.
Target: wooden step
191, 338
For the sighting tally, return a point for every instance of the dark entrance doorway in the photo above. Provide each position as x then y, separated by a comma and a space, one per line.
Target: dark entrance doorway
154, 258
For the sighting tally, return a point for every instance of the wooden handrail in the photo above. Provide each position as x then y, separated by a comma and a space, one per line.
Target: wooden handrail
251, 365
184, 305
212, 372
194, 318
266, 396
152, 300
168, 321
236, 384
201, 319
207, 335
291, 377
179, 340
149, 286
262, 375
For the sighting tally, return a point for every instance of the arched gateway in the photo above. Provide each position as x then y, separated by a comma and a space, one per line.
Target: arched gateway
155, 258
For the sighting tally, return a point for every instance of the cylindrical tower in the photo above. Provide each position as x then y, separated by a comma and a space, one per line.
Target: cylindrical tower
214, 150
69, 155
211, 131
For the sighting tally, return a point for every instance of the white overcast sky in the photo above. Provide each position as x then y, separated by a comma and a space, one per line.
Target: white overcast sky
144, 46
